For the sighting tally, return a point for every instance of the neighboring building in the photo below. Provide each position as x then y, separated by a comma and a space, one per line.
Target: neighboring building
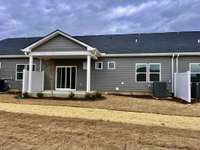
126, 62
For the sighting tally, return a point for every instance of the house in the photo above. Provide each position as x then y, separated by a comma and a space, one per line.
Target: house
126, 62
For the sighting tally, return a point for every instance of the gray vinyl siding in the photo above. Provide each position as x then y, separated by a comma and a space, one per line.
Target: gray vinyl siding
49, 68
184, 62
8, 70
59, 43
101, 80
108, 80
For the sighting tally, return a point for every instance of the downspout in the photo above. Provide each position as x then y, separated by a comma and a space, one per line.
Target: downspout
177, 63
173, 73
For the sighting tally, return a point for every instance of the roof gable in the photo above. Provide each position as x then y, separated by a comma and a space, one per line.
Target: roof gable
51, 36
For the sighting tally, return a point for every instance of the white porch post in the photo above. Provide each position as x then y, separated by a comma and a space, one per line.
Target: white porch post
30, 73
88, 73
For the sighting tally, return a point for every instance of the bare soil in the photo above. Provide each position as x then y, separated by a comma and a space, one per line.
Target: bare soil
24, 131
146, 105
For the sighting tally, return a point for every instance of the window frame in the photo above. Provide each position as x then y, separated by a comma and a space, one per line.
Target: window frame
109, 62
16, 72
136, 73
155, 72
190, 69
84, 65
96, 68
148, 73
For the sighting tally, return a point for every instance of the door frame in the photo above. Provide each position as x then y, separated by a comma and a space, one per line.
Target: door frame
65, 89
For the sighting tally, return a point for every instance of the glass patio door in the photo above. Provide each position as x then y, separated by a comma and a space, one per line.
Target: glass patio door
65, 77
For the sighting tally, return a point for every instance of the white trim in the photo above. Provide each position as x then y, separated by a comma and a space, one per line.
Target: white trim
52, 35
97, 62
13, 56
113, 55
84, 65
150, 54
177, 66
25, 64
148, 72
109, 62
40, 65
66, 89
0, 65
172, 67
55, 53
190, 66
88, 78
141, 73
160, 73
30, 73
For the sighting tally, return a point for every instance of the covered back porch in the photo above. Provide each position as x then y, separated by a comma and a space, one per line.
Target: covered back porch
61, 65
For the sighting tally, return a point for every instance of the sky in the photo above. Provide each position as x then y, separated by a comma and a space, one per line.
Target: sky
25, 18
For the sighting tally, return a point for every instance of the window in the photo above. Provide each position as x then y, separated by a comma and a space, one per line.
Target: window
111, 65
99, 65
148, 72
84, 65
141, 72
154, 72
195, 72
19, 70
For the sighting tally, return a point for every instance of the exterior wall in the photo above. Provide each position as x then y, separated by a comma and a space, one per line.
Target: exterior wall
59, 43
49, 67
101, 80
8, 70
108, 80
184, 62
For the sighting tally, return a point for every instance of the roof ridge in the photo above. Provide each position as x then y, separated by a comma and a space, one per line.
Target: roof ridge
142, 33
118, 34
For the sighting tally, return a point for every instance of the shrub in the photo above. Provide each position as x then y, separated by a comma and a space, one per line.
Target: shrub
71, 95
87, 96
98, 95
40, 95
18, 97
93, 96
26, 95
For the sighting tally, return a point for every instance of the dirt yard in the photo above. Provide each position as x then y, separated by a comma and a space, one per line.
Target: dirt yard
23, 131
146, 105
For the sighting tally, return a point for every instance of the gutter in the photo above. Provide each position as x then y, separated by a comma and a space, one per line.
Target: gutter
13, 56
173, 73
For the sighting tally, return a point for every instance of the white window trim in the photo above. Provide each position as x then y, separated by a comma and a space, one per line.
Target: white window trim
84, 65
141, 72
0, 65
147, 72
16, 72
109, 62
190, 67
97, 65
155, 72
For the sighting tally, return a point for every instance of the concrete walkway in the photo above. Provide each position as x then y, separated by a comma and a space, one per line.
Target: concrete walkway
149, 119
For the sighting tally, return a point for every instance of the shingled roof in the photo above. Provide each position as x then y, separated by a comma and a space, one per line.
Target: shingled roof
122, 43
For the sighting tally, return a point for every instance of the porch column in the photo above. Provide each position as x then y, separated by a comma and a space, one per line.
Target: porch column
88, 73
30, 73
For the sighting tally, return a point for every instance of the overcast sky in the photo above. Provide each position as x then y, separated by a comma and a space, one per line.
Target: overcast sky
83, 17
